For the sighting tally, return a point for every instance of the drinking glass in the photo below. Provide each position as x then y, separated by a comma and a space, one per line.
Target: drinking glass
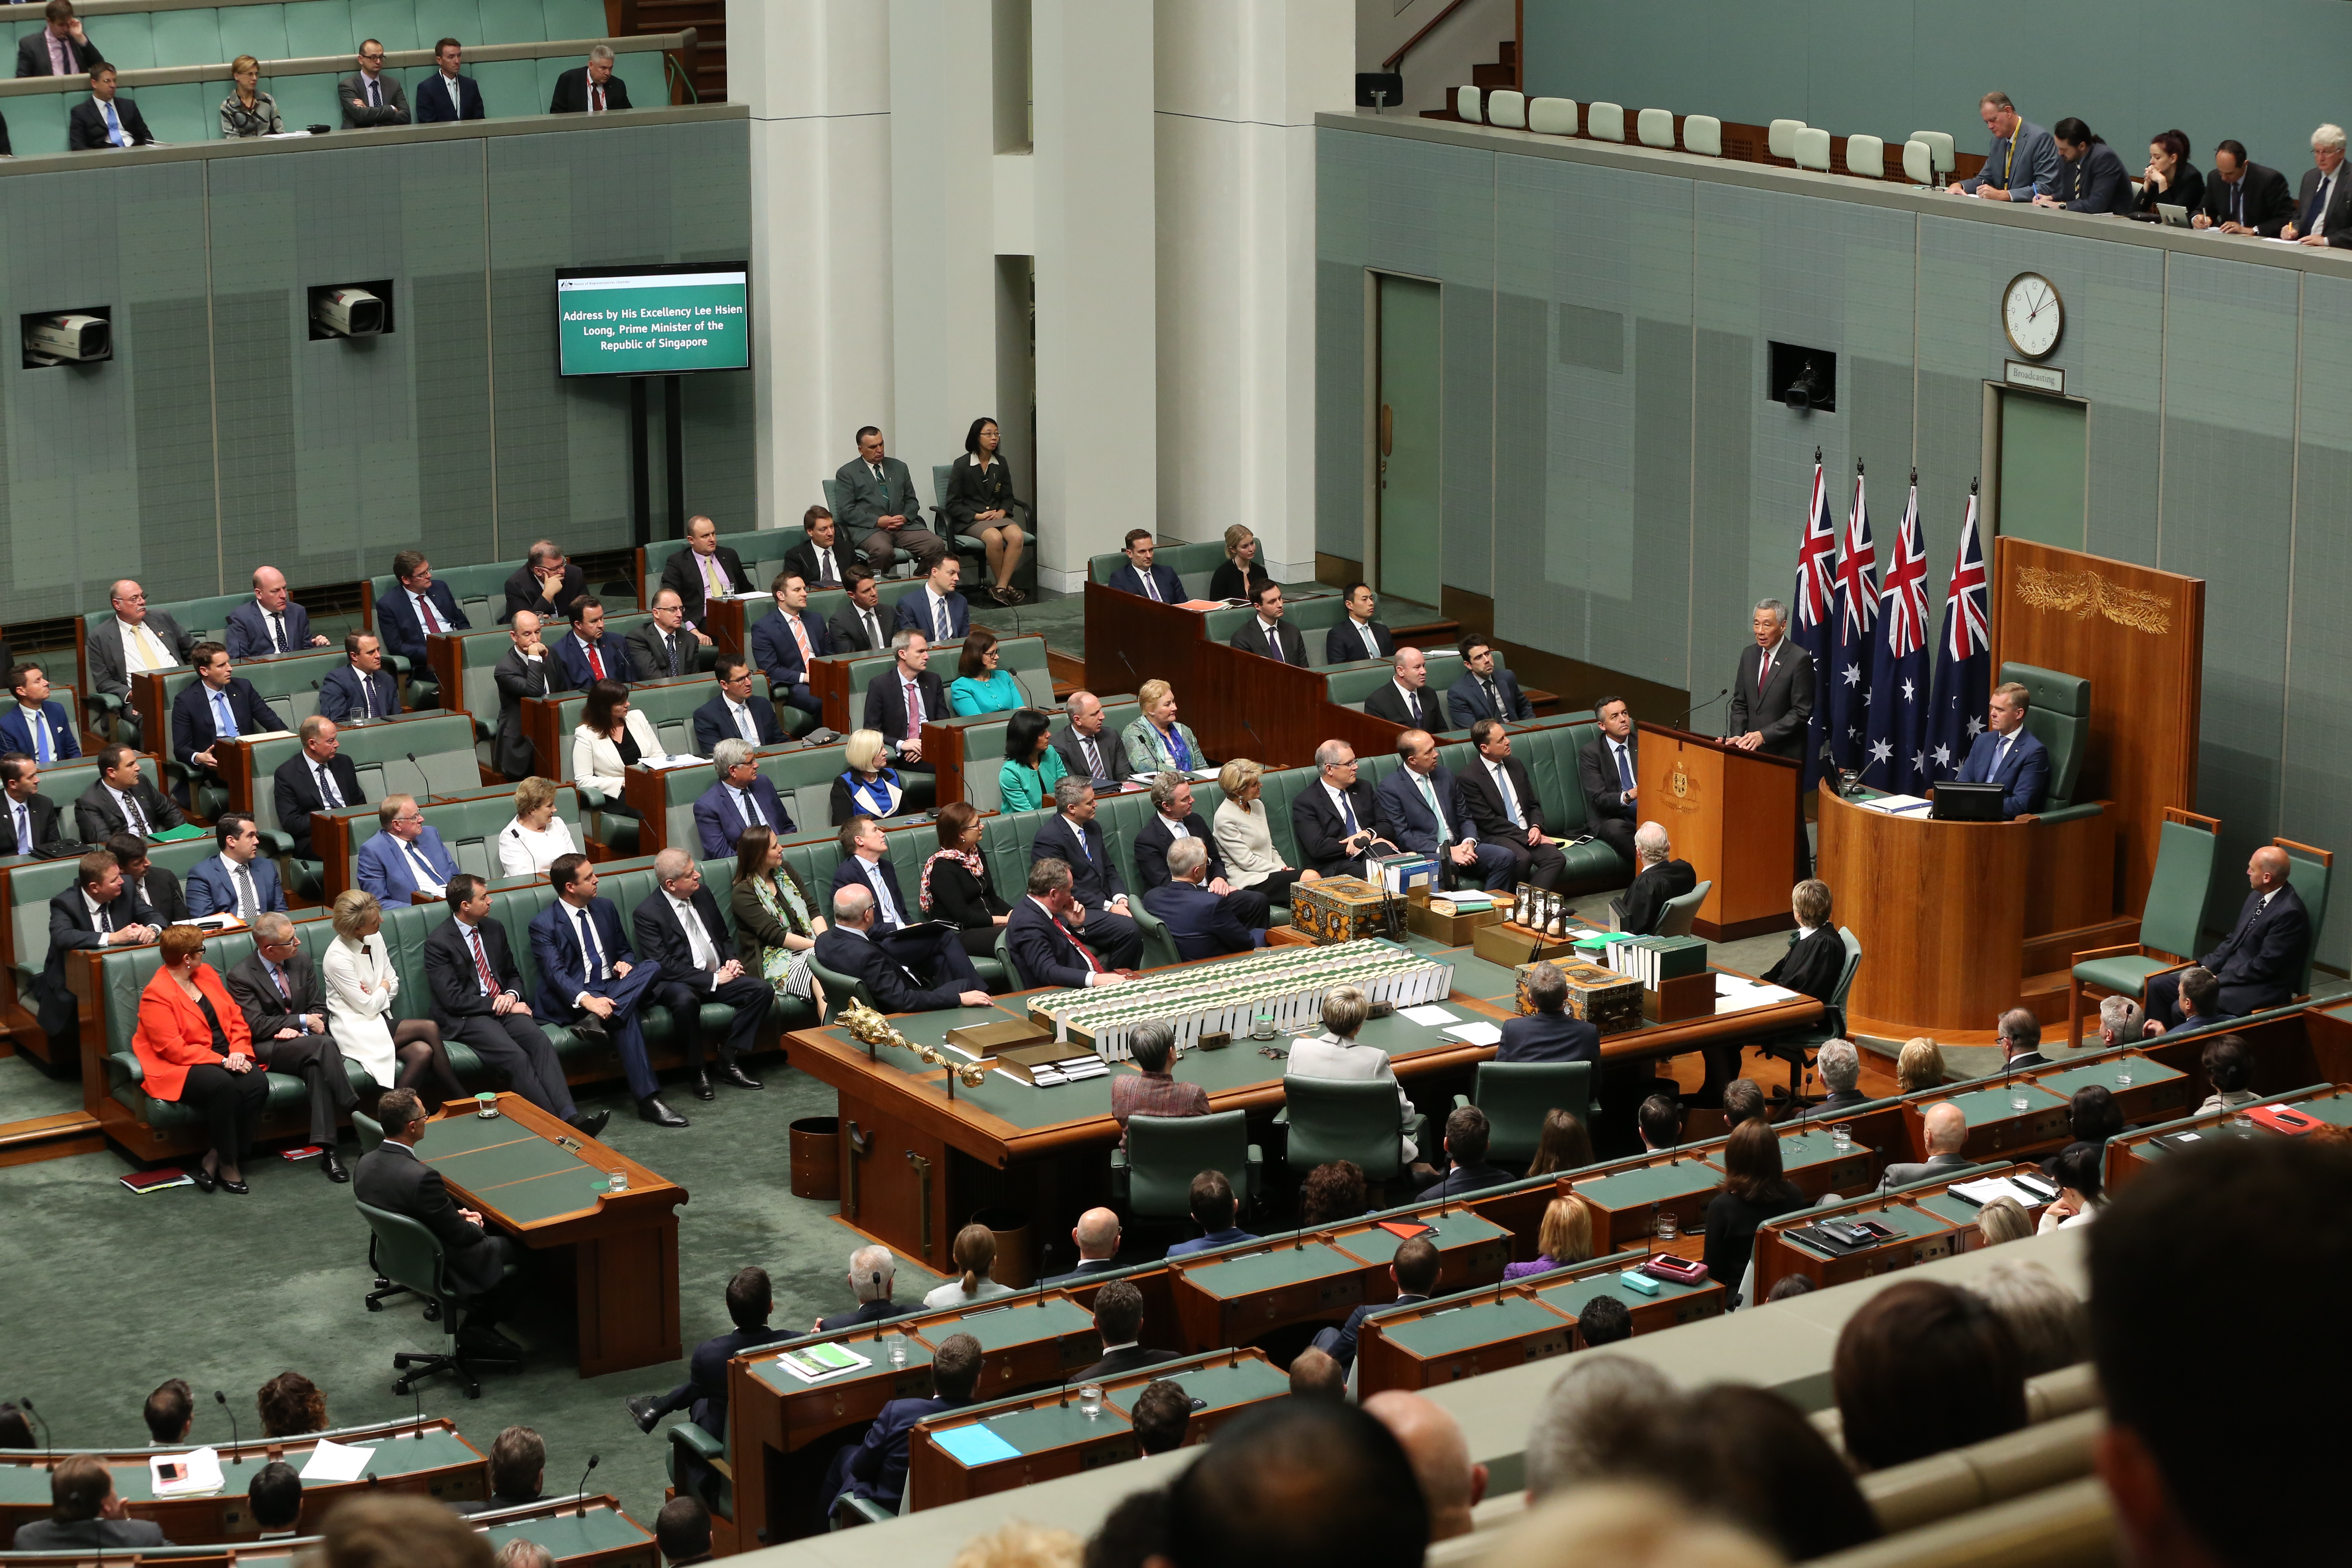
1842, 1134
2019, 1103
1090, 1401
620, 1183
898, 1348
1668, 1229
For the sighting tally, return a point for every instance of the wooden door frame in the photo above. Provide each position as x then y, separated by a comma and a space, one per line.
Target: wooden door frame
1989, 468
1370, 479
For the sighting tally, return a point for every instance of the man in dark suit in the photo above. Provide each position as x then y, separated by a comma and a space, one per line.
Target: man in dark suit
2259, 963
317, 778
1772, 693
547, 584
1407, 700
856, 627
122, 800
219, 704
1075, 837
703, 568
664, 649
1267, 633
1945, 1132
413, 607
1549, 1034
1201, 924
138, 638
820, 558
588, 653
445, 95
34, 724
872, 1270
85, 1513
678, 927
750, 1300
525, 671
1050, 939
158, 887
271, 622
906, 690
1485, 692
1141, 577
1840, 1065
1172, 817
876, 1467
239, 881
783, 644
360, 688
1466, 1137
2017, 1032
1089, 747
478, 998
369, 96
2242, 197
392, 1177
1412, 1270
866, 863
848, 947
1359, 636
31, 820
742, 797
1608, 771
879, 508
278, 989
2007, 755
590, 979
1119, 1318
1419, 807
61, 48
1336, 819
2323, 208
938, 612
100, 910
1500, 801
735, 713
1097, 1238
591, 88
1662, 878
103, 120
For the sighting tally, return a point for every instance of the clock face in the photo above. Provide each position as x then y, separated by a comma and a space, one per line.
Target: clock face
2030, 311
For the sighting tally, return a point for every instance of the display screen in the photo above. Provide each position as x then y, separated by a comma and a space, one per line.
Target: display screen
653, 320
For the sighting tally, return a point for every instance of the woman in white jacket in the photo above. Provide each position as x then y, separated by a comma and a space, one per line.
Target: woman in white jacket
611, 739
361, 986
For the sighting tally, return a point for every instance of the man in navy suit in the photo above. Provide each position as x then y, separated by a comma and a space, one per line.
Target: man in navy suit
1358, 636
742, 797
887, 699
2006, 755
1267, 633
1467, 1134
1072, 837
938, 612
735, 714
1412, 1270
1334, 820
1044, 931
703, 1395
271, 622
1416, 809
103, 120
360, 688
1549, 1034
1140, 576
1483, 692
589, 978
28, 819
413, 608
219, 704
239, 881
476, 996
866, 864
875, 1468
784, 643
1173, 819
406, 857
2260, 963
101, 909
1201, 924
848, 946
679, 928
588, 653
872, 1271
35, 725
445, 95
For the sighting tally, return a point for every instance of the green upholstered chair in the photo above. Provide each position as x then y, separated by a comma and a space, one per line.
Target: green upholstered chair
2309, 869
411, 1256
1347, 1119
840, 990
1152, 1176
1517, 1096
686, 1439
1194, 564
1678, 916
2059, 716
2168, 921
371, 1136
1013, 975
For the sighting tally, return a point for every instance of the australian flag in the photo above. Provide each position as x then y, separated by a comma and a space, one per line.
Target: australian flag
1853, 645
1897, 728
1810, 621
1963, 660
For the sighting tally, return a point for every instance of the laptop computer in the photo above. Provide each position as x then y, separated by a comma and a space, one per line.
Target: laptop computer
1957, 802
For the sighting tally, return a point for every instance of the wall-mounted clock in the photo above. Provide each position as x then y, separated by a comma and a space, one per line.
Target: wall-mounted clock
2033, 315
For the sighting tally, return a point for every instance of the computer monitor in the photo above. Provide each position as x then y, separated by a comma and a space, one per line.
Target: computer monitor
1379, 89
1957, 802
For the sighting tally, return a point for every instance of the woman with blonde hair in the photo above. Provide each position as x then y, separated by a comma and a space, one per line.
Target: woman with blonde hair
1921, 1065
975, 1254
1565, 1236
536, 837
1156, 742
1241, 576
248, 110
869, 786
1245, 837
361, 986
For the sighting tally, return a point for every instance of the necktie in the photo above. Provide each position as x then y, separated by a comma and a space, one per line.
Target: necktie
744, 727
882, 893
2238, 202
1274, 641
1348, 812
712, 587
799, 636
223, 722
248, 904
697, 939
277, 633
39, 723
455, 104
132, 814
2318, 205
1494, 697
1429, 799
1151, 586
1412, 706
940, 607
375, 93
482, 964
873, 632
329, 797
1093, 964
24, 831
114, 129
595, 955
595, 661
426, 876
825, 577
1763, 672
914, 713
1511, 796
1093, 758
284, 992
367, 696
151, 647
671, 643
595, 100
58, 64
1084, 847
2000, 758
748, 810
1625, 766
424, 610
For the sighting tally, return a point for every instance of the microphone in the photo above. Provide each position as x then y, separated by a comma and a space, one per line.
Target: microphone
582, 1488
422, 781
419, 1397
221, 1400
1129, 663
1699, 707
49, 1443
1253, 735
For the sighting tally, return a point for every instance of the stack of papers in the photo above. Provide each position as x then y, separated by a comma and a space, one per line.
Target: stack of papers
332, 1461
1984, 1191
1429, 1015
814, 1363
184, 1475
1896, 805
1733, 994
1473, 1034
666, 761
1071, 1069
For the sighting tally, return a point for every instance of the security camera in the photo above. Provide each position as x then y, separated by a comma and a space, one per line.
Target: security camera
348, 312
66, 339
1805, 391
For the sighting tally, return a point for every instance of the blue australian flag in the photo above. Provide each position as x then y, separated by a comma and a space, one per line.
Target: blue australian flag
1810, 622
1963, 659
1853, 646
1895, 757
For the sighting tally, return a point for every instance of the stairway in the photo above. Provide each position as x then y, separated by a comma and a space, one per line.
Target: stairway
632, 18
1501, 72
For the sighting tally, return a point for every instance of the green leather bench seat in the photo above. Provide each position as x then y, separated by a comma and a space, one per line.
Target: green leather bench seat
824, 603
469, 828
1194, 564
1351, 683
1025, 657
760, 550
983, 748
442, 743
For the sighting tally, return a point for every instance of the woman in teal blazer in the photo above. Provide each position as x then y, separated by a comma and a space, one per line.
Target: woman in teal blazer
1032, 767
980, 687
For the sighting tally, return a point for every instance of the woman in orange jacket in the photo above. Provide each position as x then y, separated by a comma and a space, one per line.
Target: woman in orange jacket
195, 1048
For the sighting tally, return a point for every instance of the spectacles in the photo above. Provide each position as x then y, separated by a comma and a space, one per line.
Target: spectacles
1276, 1052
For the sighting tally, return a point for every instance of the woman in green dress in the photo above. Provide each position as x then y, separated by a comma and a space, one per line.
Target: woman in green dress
1032, 767
776, 923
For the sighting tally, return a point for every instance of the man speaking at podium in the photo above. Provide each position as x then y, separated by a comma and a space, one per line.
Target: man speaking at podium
1772, 696
2006, 755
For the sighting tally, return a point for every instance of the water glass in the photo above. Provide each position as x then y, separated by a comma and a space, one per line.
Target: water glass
2020, 1102
486, 1106
1262, 1027
620, 1183
2123, 1077
1668, 1229
1842, 1134
2244, 1124
897, 1344
1090, 1401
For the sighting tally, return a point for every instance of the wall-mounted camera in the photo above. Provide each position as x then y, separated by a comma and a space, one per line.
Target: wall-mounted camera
69, 337
351, 310
1803, 379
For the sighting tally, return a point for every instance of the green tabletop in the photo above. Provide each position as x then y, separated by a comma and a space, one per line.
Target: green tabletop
27, 1484
1577, 1294
1802, 1151
2144, 1070
1651, 1184
1458, 1328
996, 1327
1267, 1270
570, 1534
1908, 1222
508, 1167
1048, 1426
1221, 1387
1454, 1229
918, 1354
2333, 1108
1945, 1207
1982, 1107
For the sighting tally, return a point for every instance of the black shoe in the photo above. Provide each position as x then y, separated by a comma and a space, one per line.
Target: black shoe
333, 1167
474, 1340
206, 1180
590, 1125
651, 1109
641, 1411
702, 1089
735, 1075
589, 1027
240, 1188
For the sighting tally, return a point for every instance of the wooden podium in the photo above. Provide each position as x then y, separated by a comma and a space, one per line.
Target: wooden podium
1732, 816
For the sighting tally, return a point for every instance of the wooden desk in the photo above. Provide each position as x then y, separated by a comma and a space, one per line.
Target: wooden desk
588, 1533
1431, 1342
2131, 1153
1921, 1235
2005, 1122
1732, 816
1631, 1199
1233, 1298
549, 1193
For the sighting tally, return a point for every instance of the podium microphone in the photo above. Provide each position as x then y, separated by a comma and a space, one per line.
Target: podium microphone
221, 1400
582, 1488
1699, 708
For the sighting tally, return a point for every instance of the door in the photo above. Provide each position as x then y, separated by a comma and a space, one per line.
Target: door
2043, 470
1405, 454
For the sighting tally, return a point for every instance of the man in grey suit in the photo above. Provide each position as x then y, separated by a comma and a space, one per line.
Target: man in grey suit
136, 639
1772, 695
880, 509
525, 669
369, 96
2023, 162
663, 647
278, 989
1089, 750
1946, 1132
86, 1512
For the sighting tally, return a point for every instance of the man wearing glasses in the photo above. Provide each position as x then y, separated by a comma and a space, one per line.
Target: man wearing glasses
370, 97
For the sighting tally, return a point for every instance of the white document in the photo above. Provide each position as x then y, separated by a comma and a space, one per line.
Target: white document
333, 1461
1983, 1191
198, 1473
665, 762
1733, 994
1475, 1034
1897, 804
1429, 1016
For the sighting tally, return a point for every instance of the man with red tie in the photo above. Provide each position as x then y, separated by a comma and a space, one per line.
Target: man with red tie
590, 653
898, 699
414, 608
1046, 933
591, 88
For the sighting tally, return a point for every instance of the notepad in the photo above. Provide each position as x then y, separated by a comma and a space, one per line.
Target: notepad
974, 1445
332, 1461
814, 1363
1473, 1034
1983, 1191
184, 1475
1429, 1016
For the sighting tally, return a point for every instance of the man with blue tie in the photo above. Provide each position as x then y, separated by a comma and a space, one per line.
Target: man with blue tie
1334, 820
104, 120
1140, 577
866, 864
414, 608
589, 979
938, 612
1500, 799
271, 622
743, 798
406, 857
735, 713
218, 705
1606, 770
36, 726
2006, 755
588, 653
1072, 837
360, 688
238, 880
28, 819
782, 644
1418, 810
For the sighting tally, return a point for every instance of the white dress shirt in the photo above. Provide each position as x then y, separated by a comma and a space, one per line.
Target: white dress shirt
143, 649
698, 938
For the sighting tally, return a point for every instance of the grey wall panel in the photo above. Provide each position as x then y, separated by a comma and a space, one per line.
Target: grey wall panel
2315, 798
1748, 549
1339, 459
453, 522
1522, 423
255, 415
1465, 494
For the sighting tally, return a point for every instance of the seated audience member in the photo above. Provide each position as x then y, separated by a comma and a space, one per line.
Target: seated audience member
1945, 1131
1407, 700
86, 1512
1162, 1411
195, 1048
1203, 924
1175, 815
1151, 1090
2121, 1021
136, 639
1241, 575
392, 1177
292, 1405
1087, 746
2093, 1116
1413, 1271
406, 857
1841, 1068
521, 1552
1630, 1525
1074, 836
1749, 1455
1156, 742
1267, 634
981, 685
1097, 1236
1048, 941
120, 800
1549, 1034
154, 884
170, 1411
445, 95
1032, 767
547, 584
1919, 1066
592, 88
416, 607
1020, 1544
879, 508
2003, 1219
1753, 1190
703, 1395
2091, 178
876, 1467
682, 1530
2050, 1324
2196, 999
2007, 754
1562, 1145
856, 627
1743, 1101
776, 923
737, 713
1485, 690
379, 1531
957, 885
1143, 578
29, 824
1564, 1237
218, 705
848, 947
1923, 1367
591, 980
975, 1255
103, 120
1119, 1318
36, 724
1334, 820
1815, 960
476, 993
865, 863
901, 698
588, 653
1499, 799
1790, 1285
248, 110
1466, 1134
739, 799
868, 786
15, 1431
2078, 1173
1419, 809
1451, 1486
362, 988
611, 738
1298, 1483
2171, 180
2228, 1067
680, 930
369, 96
275, 1497
664, 647
100, 910
980, 503
783, 644
2260, 964
518, 1471
1606, 769
1217, 1211
1245, 837
317, 778
1314, 1374
873, 1274
537, 837
59, 46
1593, 1413
278, 989
1658, 877
360, 688
1335, 1054
2019, 1034
2243, 196
1331, 1193
1659, 1120
1360, 637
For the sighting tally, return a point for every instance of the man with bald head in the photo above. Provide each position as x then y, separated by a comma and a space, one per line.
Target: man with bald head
1088, 748
135, 640
847, 947
272, 623
2260, 963
1450, 1484
526, 669
1096, 1234
1946, 1133
1406, 700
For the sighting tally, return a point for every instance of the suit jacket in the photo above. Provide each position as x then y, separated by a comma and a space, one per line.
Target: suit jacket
1813, 966
1457, 1181
778, 656
517, 678
70, 929
1597, 776
249, 636
296, 793
1093, 874
683, 571
647, 661
846, 630
1482, 803
1404, 817
713, 723
1904, 1173
2095, 182
2025, 775
392, 1177
1344, 644
162, 891
17, 735
1843, 1099
346, 692
33, 59
877, 1465
523, 593
2338, 224
1428, 711
571, 97
397, 626
1319, 828
1128, 580
1042, 950
662, 938
1127, 1359
194, 726
1344, 1351
886, 702
1549, 1037
802, 558
1251, 638
2259, 963
48, 1535
1150, 843
856, 955
212, 887
1074, 757
86, 125
1645, 900
850, 872
916, 611
456, 984
2032, 172
1201, 924
718, 819
2267, 207
97, 818
1783, 710
562, 967
1465, 700
265, 1010
1086, 1266
102, 651
352, 92
859, 498
570, 656
433, 105
864, 1312
384, 869
47, 823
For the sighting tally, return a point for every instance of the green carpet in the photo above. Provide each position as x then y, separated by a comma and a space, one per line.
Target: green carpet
26, 1090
